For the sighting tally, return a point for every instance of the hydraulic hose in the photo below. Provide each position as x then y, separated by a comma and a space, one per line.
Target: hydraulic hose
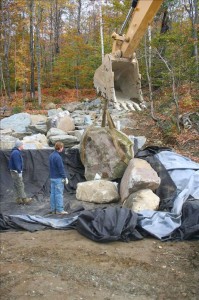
133, 6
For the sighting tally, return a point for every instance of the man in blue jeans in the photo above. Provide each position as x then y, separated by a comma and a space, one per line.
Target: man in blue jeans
58, 177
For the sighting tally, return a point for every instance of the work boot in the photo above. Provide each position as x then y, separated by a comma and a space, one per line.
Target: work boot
19, 201
63, 212
26, 200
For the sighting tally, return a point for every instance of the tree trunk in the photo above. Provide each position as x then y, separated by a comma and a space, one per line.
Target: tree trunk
32, 63
79, 17
195, 34
175, 96
148, 73
51, 43
165, 22
101, 29
6, 25
15, 68
24, 83
193, 15
38, 51
78, 60
2, 79
57, 26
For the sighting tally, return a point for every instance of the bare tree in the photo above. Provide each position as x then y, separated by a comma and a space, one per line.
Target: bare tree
57, 26
32, 63
148, 73
192, 9
2, 80
79, 16
175, 95
165, 21
6, 32
51, 40
79, 10
24, 84
38, 51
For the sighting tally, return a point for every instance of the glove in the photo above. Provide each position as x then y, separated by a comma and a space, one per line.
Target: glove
65, 181
20, 175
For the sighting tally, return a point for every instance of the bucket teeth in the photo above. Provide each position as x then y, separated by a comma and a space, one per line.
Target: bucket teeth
128, 106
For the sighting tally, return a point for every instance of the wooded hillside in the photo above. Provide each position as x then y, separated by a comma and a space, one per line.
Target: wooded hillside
51, 46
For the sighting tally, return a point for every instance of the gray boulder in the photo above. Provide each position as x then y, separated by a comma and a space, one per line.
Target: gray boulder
61, 121
54, 132
68, 140
18, 122
97, 191
53, 112
35, 141
38, 128
7, 142
72, 106
142, 200
138, 142
138, 175
50, 105
37, 119
6, 131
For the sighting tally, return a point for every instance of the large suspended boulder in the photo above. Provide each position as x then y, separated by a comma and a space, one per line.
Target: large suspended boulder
105, 151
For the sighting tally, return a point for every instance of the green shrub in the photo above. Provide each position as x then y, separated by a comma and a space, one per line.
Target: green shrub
17, 109
57, 100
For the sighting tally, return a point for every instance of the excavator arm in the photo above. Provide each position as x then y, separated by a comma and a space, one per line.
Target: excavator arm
118, 79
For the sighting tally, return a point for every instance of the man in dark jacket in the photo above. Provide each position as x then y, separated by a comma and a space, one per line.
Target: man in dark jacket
16, 168
58, 177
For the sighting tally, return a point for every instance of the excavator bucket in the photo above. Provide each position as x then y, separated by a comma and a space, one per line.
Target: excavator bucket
118, 80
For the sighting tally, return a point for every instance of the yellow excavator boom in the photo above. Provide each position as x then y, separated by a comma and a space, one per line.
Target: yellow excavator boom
118, 78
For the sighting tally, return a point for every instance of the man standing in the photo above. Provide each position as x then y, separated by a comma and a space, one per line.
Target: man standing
16, 168
58, 177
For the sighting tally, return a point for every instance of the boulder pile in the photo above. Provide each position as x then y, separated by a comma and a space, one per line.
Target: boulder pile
107, 154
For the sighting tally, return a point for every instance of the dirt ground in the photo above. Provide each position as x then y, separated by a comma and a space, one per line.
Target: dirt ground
58, 264
55, 264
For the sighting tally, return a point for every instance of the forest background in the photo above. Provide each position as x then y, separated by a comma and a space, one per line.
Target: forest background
50, 50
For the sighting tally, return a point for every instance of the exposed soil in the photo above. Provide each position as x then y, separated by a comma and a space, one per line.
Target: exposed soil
64, 265
57, 264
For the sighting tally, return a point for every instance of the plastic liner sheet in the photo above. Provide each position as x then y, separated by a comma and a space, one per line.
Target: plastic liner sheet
72, 160
185, 173
37, 182
109, 224
159, 224
35, 223
169, 226
190, 221
36, 172
172, 161
163, 224
112, 223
